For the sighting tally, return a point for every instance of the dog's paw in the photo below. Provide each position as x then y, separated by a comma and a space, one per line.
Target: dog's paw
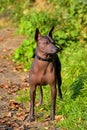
52, 118
29, 119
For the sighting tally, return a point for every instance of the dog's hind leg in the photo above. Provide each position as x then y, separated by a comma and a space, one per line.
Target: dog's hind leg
59, 82
41, 96
53, 101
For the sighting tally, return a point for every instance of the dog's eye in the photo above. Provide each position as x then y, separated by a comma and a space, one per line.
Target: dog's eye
47, 42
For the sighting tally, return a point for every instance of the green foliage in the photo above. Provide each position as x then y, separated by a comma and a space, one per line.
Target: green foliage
74, 87
69, 17
28, 26
74, 73
23, 96
24, 53
13, 9
70, 20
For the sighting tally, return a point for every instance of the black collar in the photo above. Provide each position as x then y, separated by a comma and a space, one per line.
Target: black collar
40, 58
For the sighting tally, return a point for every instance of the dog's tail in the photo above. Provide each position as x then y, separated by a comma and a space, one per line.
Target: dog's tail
58, 74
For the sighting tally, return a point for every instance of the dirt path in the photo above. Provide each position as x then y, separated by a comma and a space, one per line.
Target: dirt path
11, 78
13, 114
8, 43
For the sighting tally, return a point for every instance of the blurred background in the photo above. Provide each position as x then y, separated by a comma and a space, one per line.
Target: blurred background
70, 20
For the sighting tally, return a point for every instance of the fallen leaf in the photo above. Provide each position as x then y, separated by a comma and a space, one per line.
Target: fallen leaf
4, 86
20, 115
21, 127
1, 38
19, 67
23, 79
13, 89
0, 97
9, 114
59, 118
16, 129
47, 117
14, 105
3, 120
4, 50
46, 127
15, 126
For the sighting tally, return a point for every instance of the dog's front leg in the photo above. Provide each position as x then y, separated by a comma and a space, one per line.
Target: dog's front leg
41, 96
53, 100
32, 101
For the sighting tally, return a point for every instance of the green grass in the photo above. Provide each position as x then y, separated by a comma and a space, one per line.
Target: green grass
74, 87
70, 19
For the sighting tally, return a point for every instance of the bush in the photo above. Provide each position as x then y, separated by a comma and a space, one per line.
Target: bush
70, 20
28, 26
74, 87
69, 17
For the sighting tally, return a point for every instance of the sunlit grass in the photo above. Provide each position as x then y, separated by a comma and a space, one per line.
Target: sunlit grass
73, 107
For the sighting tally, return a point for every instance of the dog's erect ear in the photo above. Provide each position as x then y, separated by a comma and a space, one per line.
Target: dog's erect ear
37, 34
50, 33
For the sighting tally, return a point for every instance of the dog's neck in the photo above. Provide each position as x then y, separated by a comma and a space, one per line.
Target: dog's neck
43, 59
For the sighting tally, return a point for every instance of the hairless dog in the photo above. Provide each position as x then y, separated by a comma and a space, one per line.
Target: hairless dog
45, 69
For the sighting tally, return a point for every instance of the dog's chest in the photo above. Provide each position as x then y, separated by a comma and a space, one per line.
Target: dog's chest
42, 73
45, 75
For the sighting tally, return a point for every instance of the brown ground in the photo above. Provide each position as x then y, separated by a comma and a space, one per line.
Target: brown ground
12, 78
13, 114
